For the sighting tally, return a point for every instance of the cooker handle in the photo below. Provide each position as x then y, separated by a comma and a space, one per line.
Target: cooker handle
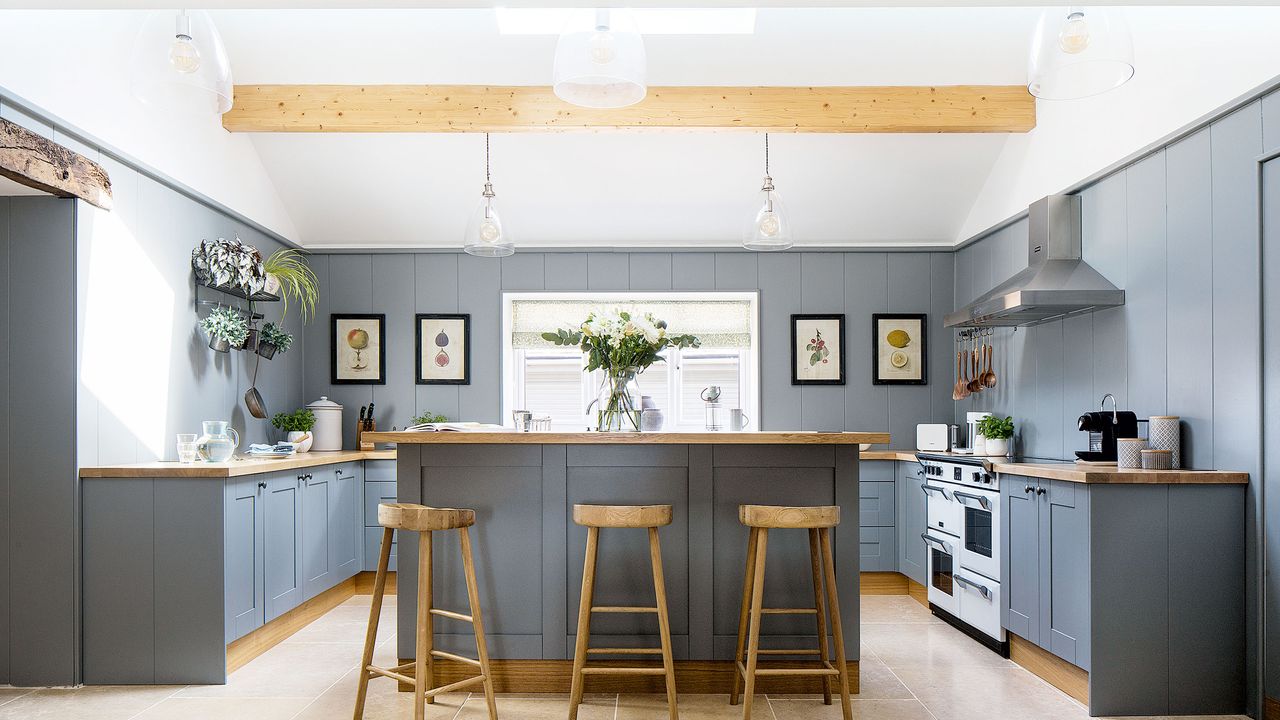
929, 540
962, 496
983, 590
927, 488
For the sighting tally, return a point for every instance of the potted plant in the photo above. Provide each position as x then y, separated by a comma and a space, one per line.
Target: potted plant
997, 432
273, 339
229, 264
289, 275
226, 328
426, 418
297, 425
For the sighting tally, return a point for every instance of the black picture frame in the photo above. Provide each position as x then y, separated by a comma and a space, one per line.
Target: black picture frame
795, 370
466, 346
923, 319
381, 320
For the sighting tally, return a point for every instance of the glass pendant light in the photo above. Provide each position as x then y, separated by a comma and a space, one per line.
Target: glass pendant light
180, 64
486, 235
600, 60
770, 227
1079, 52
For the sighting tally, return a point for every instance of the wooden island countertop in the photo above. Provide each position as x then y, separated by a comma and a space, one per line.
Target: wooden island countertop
787, 437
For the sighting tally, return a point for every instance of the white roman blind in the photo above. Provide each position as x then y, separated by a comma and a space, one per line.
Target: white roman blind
719, 323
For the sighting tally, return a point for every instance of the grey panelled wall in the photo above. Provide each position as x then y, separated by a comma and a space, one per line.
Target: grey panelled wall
1179, 231
857, 284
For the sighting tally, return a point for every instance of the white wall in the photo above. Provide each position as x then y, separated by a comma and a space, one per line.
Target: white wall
75, 66
1190, 61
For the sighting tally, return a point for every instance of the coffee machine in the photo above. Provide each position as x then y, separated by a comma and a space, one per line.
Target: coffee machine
1103, 428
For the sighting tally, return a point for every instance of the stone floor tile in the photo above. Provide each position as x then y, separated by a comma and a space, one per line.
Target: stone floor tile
547, 707
793, 709
100, 702
691, 707
897, 609
955, 692
184, 708
927, 645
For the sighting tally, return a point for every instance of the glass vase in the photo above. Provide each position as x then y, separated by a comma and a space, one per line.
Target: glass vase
618, 405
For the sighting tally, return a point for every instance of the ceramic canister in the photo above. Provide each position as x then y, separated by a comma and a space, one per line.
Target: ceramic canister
1157, 460
1129, 453
1164, 432
328, 429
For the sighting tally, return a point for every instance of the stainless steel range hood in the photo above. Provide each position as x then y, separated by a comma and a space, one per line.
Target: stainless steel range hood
1057, 282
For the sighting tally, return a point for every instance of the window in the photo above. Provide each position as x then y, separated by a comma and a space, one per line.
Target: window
550, 381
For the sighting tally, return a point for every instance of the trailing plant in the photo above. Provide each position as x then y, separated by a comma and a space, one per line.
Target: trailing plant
275, 335
300, 420
427, 417
994, 428
297, 281
229, 263
225, 323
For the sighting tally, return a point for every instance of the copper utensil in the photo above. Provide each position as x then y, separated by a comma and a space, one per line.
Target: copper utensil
974, 384
989, 377
961, 389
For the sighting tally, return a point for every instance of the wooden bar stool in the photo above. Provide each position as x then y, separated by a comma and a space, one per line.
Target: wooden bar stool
424, 521
818, 521
595, 517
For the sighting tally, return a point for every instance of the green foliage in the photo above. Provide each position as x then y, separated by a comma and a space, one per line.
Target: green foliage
995, 428
428, 417
297, 281
275, 335
617, 340
300, 420
227, 324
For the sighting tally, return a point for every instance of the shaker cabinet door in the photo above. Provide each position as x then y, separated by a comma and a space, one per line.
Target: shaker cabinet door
317, 555
346, 523
243, 560
282, 516
911, 521
1021, 546
1064, 571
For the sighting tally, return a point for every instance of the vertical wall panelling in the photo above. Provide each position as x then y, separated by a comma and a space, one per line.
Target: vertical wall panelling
693, 271
393, 295
523, 272
479, 295
822, 291
1146, 298
779, 283
565, 272
1077, 386
4, 438
866, 291
1105, 228
909, 276
737, 271
315, 335
1271, 121
652, 271
1271, 416
608, 272
941, 357
350, 288
436, 291
1189, 324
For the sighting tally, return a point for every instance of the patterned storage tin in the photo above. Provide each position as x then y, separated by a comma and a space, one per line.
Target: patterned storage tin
1164, 432
1157, 459
1129, 453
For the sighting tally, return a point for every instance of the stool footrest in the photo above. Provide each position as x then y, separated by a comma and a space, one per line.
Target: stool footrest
624, 651
375, 670
788, 611
623, 671
827, 669
800, 651
451, 614
622, 609
456, 658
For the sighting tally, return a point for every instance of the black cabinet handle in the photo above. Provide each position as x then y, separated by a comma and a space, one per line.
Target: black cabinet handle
262, 485
1040, 491
1027, 489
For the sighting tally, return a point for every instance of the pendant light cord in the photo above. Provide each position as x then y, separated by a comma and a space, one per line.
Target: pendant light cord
486, 158
766, 153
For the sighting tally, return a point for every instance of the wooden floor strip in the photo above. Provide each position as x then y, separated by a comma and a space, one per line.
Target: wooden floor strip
244, 649
883, 583
1052, 669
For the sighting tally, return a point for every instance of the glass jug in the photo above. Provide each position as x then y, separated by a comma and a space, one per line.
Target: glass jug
219, 441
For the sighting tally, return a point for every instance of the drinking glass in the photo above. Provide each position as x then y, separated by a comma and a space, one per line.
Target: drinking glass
186, 448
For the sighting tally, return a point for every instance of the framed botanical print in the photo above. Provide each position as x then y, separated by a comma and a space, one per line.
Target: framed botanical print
899, 347
357, 354
817, 349
444, 349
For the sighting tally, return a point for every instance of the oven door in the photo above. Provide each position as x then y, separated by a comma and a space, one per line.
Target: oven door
940, 551
979, 531
979, 600
942, 511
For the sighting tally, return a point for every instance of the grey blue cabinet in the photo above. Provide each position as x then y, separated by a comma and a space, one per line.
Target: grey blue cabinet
243, 525
317, 558
911, 520
379, 487
877, 538
282, 558
346, 521
1020, 541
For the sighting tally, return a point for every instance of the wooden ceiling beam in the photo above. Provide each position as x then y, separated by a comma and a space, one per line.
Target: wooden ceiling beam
481, 108
36, 161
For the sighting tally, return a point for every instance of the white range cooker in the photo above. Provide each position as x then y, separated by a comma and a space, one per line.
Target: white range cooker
963, 544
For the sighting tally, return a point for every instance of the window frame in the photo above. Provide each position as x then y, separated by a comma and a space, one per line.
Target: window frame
749, 371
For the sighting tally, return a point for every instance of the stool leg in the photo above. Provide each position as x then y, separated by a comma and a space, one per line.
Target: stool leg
584, 621
747, 579
375, 614
757, 606
477, 622
664, 622
834, 602
422, 652
815, 561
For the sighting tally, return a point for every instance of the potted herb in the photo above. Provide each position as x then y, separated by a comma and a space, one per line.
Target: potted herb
273, 339
997, 432
226, 263
289, 275
427, 417
297, 425
226, 328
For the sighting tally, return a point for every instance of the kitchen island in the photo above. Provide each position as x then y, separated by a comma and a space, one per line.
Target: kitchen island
529, 553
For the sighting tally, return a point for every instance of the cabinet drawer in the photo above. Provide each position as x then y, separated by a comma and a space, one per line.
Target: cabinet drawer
380, 471
375, 493
372, 544
878, 549
875, 504
876, 471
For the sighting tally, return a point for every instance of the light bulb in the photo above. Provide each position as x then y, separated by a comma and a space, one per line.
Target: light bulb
1074, 38
489, 230
603, 48
183, 55
769, 223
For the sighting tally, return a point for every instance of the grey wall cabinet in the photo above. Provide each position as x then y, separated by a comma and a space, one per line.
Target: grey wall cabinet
911, 521
243, 525
282, 553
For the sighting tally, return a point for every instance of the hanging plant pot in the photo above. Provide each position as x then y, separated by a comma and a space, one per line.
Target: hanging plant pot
219, 344
250, 340
266, 349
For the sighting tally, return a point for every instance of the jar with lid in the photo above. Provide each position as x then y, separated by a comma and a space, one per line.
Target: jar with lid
328, 429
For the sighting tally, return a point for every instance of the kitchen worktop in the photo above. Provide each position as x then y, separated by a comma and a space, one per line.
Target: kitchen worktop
789, 437
1072, 472
241, 465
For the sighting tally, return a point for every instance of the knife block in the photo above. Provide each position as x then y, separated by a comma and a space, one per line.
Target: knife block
361, 430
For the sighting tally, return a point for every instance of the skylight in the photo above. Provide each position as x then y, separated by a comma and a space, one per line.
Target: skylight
650, 21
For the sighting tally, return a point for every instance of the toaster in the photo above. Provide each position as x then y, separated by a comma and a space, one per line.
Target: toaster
933, 436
